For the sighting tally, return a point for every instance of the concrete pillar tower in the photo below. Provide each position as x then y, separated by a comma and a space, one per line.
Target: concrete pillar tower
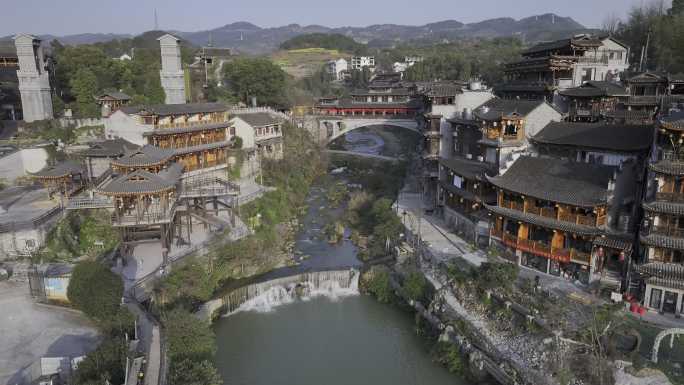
34, 80
172, 77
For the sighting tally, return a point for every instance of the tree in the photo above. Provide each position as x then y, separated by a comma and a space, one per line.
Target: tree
416, 286
106, 363
256, 77
95, 290
677, 7
188, 337
84, 87
496, 275
189, 372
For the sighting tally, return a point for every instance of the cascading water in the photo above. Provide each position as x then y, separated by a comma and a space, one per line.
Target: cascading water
265, 296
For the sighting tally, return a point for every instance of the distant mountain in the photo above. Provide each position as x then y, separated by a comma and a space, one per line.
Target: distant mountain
249, 38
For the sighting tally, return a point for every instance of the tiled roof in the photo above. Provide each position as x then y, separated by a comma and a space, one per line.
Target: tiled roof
555, 180
109, 148
141, 181
175, 109
613, 242
674, 121
664, 282
59, 170
115, 95
496, 108
520, 86
667, 167
258, 119
663, 241
596, 88
665, 207
563, 43
648, 77
543, 221
662, 270
458, 191
469, 169
444, 89
147, 155
184, 130
612, 137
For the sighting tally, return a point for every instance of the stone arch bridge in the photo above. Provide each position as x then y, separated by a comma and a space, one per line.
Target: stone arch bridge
328, 128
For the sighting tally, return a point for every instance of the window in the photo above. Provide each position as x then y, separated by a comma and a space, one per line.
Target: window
458, 181
586, 74
490, 155
656, 295
30, 243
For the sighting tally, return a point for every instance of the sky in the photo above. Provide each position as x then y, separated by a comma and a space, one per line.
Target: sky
64, 17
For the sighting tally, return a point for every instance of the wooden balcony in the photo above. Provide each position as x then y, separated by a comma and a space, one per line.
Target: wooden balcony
542, 249
552, 213
673, 156
518, 206
149, 217
666, 231
670, 197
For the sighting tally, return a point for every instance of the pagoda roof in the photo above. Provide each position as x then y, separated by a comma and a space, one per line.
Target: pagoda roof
495, 109
144, 182
63, 169
663, 241
258, 119
174, 109
555, 180
114, 95
665, 207
108, 148
610, 137
674, 121
596, 89
584, 41
147, 155
667, 167
467, 168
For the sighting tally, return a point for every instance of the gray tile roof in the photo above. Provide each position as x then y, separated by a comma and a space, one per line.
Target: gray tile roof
537, 220
614, 242
496, 108
147, 155
563, 43
114, 95
141, 181
520, 86
109, 148
596, 89
674, 121
444, 89
258, 119
184, 130
611, 137
663, 241
555, 180
460, 192
665, 207
175, 109
469, 169
662, 270
61, 169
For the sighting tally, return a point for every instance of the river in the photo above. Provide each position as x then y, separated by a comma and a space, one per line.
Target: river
334, 338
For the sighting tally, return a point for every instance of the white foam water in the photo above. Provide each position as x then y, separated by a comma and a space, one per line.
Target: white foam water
267, 296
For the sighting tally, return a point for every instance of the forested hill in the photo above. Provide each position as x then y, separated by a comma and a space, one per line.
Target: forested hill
325, 40
249, 38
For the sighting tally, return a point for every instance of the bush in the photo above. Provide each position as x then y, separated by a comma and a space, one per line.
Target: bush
379, 285
96, 291
448, 355
189, 372
190, 284
189, 338
416, 287
106, 363
500, 276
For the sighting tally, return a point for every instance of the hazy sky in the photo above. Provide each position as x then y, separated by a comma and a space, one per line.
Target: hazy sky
61, 17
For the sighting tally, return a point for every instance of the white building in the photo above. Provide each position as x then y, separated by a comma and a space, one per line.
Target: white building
172, 75
359, 62
336, 68
34, 80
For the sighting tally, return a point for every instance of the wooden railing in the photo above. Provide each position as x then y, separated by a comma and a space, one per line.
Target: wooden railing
673, 156
541, 248
670, 197
666, 231
518, 206
145, 218
189, 124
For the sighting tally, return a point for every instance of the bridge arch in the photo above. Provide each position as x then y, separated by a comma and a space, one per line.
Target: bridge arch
659, 338
333, 128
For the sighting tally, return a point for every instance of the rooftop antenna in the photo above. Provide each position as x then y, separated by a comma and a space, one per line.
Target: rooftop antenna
156, 22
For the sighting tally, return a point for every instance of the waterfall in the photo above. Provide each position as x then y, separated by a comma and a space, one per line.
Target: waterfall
265, 296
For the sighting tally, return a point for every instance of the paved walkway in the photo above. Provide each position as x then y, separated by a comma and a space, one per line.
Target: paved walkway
150, 339
443, 244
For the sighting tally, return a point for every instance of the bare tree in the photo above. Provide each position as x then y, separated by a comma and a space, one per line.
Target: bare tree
611, 23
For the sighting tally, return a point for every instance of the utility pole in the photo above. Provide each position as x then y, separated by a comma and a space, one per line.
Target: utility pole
156, 22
